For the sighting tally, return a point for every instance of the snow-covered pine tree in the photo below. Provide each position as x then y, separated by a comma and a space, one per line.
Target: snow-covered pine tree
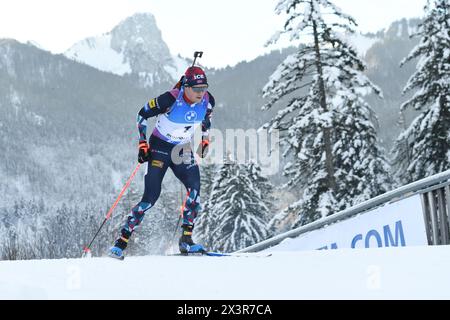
326, 126
361, 168
424, 148
264, 186
205, 221
208, 172
239, 208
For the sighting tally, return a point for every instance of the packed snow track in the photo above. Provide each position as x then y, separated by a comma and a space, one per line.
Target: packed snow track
385, 273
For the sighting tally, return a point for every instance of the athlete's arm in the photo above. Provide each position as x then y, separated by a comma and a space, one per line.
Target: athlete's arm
206, 123
153, 108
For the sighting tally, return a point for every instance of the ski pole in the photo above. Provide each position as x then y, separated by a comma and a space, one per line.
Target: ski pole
178, 222
87, 249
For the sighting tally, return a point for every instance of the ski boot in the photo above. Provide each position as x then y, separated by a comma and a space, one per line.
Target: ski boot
186, 245
116, 252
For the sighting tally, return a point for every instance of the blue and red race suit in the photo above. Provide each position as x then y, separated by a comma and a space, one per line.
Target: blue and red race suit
177, 120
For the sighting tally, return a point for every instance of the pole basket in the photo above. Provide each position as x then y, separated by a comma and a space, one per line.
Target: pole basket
86, 253
87, 250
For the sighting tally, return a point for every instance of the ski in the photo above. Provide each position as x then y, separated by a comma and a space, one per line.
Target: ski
250, 254
208, 254
222, 254
199, 254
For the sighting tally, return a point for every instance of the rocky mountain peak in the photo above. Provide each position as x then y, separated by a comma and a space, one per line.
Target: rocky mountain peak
134, 47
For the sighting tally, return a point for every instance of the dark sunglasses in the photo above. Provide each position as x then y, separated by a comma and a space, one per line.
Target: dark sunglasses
199, 89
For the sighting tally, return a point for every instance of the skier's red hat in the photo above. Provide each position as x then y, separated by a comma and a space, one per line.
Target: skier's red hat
195, 76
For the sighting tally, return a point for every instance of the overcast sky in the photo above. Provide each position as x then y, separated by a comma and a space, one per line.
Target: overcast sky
227, 31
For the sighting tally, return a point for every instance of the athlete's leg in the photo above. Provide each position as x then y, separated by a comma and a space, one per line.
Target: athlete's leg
156, 169
189, 174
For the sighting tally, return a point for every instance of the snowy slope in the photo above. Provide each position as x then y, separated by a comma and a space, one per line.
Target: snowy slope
401, 29
135, 46
98, 53
362, 42
388, 273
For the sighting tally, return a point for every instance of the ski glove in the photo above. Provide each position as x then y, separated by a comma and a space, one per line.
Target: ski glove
144, 154
204, 148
